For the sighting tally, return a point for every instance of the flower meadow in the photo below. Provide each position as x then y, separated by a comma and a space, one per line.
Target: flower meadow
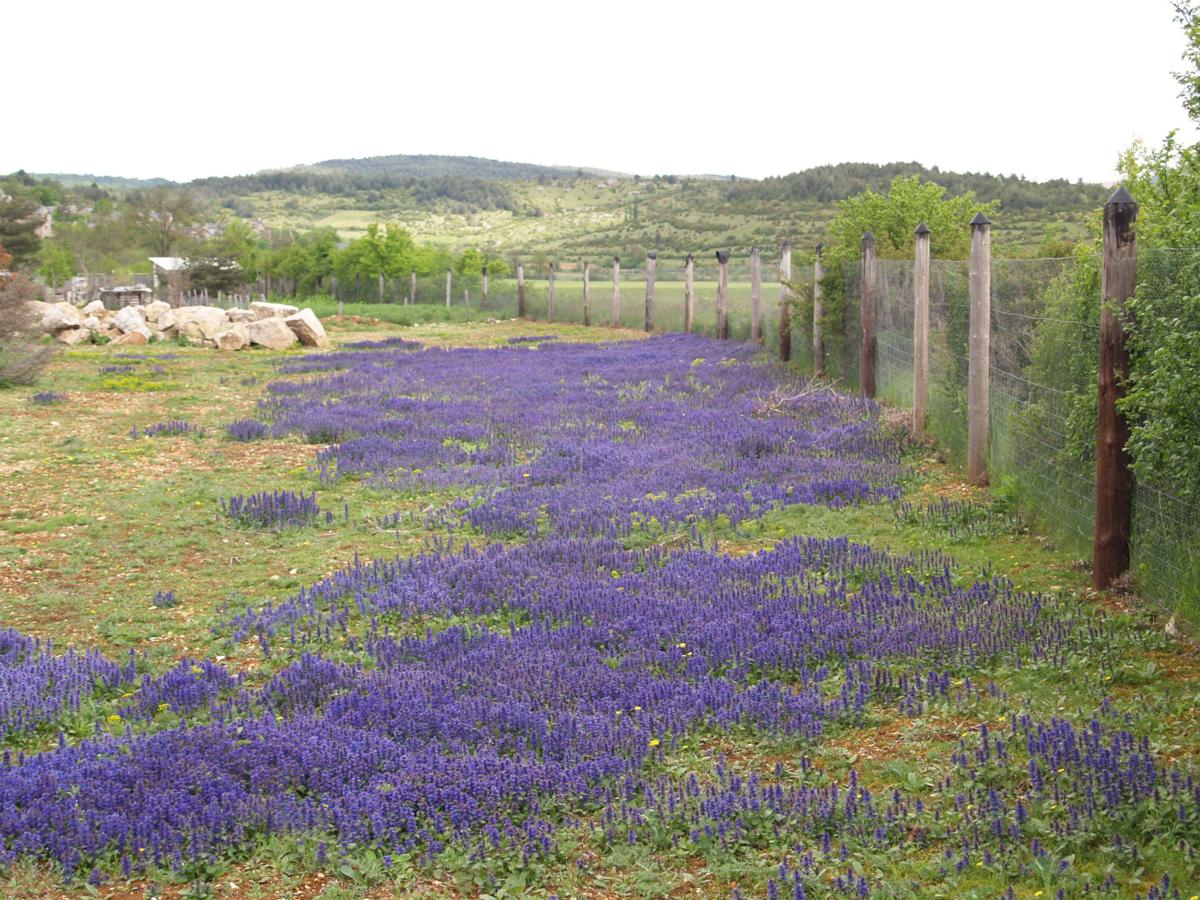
589, 678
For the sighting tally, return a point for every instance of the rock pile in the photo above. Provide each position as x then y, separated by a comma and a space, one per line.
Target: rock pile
275, 326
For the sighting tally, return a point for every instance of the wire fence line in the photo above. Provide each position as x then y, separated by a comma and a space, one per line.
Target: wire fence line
1043, 377
1044, 357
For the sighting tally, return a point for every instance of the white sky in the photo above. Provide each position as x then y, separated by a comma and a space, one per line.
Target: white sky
1043, 88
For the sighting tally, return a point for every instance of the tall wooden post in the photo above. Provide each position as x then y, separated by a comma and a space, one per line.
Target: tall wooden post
785, 314
483, 302
756, 325
587, 293
722, 294
818, 315
380, 287
412, 287
866, 316
358, 287
651, 266
920, 332
449, 278
467, 298
1114, 475
550, 294
333, 287
520, 291
616, 297
689, 293
979, 362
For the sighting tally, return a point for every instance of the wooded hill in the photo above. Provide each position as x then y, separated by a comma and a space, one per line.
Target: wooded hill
519, 208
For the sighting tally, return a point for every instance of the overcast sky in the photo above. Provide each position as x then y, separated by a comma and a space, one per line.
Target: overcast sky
1042, 88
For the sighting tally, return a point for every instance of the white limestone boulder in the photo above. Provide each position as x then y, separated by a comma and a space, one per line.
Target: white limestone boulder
265, 310
308, 329
236, 337
273, 334
129, 319
59, 317
72, 337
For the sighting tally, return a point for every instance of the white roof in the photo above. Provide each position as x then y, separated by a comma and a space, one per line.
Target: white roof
169, 263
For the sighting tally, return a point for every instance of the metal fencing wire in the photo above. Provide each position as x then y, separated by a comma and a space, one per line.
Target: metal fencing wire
1044, 361
1166, 524
669, 297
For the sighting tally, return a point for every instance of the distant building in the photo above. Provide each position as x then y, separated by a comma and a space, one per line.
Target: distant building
126, 295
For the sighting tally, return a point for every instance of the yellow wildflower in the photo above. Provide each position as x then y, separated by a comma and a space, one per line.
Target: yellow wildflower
654, 742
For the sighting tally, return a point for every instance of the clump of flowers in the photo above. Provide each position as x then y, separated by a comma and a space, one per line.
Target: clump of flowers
116, 370
170, 428
165, 599
247, 430
45, 398
274, 509
532, 338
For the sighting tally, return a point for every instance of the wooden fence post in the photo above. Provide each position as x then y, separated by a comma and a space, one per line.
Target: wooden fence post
756, 325
484, 302
550, 294
520, 291
785, 314
616, 297
722, 290
587, 293
380, 287
358, 287
689, 293
1114, 475
979, 362
866, 316
412, 287
449, 278
920, 332
467, 298
651, 265
818, 315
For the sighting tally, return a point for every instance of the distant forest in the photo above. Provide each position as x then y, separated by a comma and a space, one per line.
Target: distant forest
472, 193
828, 184
474, 183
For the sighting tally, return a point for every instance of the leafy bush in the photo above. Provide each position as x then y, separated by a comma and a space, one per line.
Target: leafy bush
22, 355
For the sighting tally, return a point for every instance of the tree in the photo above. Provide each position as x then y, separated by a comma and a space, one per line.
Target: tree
1188, 16
894, 216
22, 358
18, 228
161, 216
56, 262
386, 250
1164, 315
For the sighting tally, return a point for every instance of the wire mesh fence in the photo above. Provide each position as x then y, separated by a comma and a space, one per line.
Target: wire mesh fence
1044, 361
669, 295
1166, 522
